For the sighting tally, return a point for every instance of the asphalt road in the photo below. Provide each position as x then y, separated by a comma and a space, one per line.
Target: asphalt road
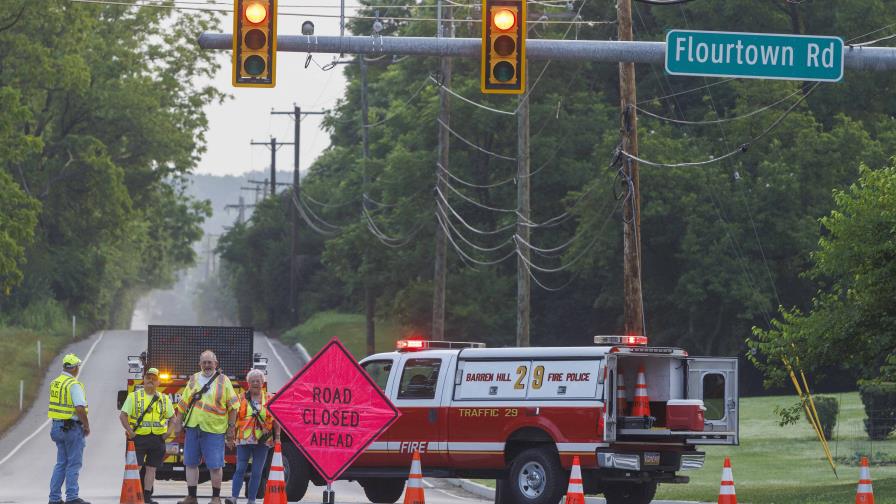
27, 454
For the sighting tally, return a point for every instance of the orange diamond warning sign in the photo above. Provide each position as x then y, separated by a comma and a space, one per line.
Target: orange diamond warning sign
332, 410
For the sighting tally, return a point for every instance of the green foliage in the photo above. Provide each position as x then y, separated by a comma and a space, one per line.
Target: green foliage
827, 408
880, 408
851, 322
350, 328
101, 113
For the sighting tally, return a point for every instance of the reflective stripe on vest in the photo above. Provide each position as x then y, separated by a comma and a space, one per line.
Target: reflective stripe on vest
61, 406
245, 420
153, 422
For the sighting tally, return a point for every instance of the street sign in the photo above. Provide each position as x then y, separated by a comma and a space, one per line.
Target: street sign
332, 410
754, 55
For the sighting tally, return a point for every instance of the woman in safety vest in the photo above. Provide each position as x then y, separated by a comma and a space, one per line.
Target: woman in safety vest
144, 416
256, 432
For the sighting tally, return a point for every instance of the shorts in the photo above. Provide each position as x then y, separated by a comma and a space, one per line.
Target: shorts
150, 447
199, 445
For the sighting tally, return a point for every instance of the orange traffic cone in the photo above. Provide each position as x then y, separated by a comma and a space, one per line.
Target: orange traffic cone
621, 401
641, 405
726, 490
275, 490
864, 493
575, 494
413, 494
131, 490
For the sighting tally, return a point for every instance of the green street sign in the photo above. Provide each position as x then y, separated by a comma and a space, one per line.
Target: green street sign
754, 55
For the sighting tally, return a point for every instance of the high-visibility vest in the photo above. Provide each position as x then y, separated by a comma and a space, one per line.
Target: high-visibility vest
61, 406
247, 425
210, 411
154, 421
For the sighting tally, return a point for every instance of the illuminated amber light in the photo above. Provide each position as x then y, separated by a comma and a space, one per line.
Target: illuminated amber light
504, 19
256, 13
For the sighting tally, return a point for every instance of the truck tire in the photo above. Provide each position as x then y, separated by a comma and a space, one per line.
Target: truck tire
535, 477
383, 490
630, 493
296, 470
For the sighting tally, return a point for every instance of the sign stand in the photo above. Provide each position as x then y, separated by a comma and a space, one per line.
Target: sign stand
329, 495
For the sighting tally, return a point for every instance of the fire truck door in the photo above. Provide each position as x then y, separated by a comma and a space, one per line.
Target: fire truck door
421, 426
609, 384
714, 381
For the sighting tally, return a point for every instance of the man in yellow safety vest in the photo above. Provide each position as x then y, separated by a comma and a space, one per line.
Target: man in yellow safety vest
68, 411
207, 409
144, 416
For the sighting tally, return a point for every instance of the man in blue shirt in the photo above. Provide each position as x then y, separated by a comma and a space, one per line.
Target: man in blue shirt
68, 411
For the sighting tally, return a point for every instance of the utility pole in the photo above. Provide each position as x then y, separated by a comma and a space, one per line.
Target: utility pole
633, 302
523, 286
440, 273
369, 298
241, 207
274, 146
296, 113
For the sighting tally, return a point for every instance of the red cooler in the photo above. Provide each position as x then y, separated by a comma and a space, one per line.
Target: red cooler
685, 414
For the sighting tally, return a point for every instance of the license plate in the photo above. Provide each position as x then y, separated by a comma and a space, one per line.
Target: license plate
651, 458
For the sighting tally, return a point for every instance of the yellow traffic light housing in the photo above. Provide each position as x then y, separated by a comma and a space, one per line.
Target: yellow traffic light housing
503, 67
254, 43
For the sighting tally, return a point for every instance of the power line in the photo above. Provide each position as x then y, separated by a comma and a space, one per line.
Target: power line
471, 102
470, 184
471, 144
720, 119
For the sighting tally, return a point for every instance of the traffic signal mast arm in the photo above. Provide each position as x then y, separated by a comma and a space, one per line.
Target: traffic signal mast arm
877, 59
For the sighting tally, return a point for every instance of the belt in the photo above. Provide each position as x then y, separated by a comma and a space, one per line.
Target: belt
67, 420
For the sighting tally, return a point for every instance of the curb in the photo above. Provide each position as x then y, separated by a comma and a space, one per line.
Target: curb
472, 487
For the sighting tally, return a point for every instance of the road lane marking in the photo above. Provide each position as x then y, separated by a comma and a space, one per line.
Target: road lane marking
286, 369
47, 422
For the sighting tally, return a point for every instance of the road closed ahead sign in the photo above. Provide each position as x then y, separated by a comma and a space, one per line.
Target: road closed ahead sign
754, 55
332, 410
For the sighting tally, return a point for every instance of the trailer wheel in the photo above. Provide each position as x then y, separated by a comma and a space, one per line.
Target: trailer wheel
383, 490
295, 470
535, 477
630, 493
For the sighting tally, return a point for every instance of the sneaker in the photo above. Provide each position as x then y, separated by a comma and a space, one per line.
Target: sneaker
230, 500
147, 498
215, 500
77, 500
188, 500
56, 502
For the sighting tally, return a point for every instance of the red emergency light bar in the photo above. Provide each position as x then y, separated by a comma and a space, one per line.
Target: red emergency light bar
414, 345
621, 340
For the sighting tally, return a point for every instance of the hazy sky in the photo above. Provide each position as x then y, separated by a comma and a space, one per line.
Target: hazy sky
247, 116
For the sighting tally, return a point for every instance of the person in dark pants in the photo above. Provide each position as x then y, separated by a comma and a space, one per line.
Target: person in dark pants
68, 411
144, 416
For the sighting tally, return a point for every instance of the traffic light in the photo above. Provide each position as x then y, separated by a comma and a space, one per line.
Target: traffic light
503, 46
254, 43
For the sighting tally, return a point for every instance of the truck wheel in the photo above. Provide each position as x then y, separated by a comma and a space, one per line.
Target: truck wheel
535, 477
295, 470
630, 493
383, 490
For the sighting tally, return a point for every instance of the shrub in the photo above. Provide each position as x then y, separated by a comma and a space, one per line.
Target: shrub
827, 408
880, 408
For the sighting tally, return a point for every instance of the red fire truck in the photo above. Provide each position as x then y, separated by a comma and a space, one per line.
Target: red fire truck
174, 351
520, 415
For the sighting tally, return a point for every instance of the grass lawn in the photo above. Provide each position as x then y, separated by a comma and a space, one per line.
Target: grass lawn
350, 328
19, 350
777, 465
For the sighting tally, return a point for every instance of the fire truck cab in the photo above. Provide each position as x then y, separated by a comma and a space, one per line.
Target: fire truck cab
520, 416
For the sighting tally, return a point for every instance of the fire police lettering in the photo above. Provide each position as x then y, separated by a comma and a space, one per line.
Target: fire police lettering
552, 377
577, 376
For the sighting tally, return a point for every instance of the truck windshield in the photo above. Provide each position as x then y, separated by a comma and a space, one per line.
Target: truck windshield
419, 379
379, 371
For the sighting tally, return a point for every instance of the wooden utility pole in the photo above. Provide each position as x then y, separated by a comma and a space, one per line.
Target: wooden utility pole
273, 145
634, 302
369, 297
297, 113
523, 285
440, 273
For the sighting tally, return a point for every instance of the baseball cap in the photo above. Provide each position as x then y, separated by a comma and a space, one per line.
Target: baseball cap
152, 370
71, 360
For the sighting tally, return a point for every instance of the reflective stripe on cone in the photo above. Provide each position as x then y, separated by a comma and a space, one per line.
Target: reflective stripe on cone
726, 490
864, 492
575, 494
275, 490
413, 493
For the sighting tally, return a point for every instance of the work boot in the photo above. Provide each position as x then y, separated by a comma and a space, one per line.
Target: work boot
188, 500
147, 497
215, 500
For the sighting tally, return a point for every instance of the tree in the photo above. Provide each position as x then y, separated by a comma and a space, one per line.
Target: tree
852, 320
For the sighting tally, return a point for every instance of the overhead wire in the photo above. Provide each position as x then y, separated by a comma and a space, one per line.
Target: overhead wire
473, 145
470, 184
719, 119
